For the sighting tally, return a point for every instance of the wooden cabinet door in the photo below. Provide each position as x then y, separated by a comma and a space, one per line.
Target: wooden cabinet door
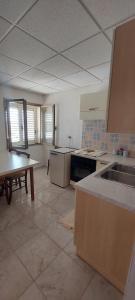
104, 236
121, 111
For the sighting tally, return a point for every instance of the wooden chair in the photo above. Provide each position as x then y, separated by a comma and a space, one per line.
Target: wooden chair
17, 180
2, 185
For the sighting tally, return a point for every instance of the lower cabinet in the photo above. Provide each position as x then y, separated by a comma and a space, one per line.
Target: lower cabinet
104, 237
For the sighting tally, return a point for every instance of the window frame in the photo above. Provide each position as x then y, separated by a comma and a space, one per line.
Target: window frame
27, 143
6, 102
40, 137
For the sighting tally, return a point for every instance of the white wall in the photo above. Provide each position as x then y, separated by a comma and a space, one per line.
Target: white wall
36, 151
68, 119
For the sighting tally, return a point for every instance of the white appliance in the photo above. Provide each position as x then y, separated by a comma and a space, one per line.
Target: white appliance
60, 166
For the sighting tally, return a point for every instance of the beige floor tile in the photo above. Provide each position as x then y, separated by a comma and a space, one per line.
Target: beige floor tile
59, 234
13, 279
100, 289
63, 279
34, 231
32, 293
5, 249
46, 196
26, 206
3, 202
44, 216
21, 232
63, 204
69, 193
70, 249
41, 184
55, 188
8, 216
37, 254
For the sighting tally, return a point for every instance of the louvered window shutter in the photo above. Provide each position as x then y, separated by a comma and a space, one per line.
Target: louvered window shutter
49, 124
33, 121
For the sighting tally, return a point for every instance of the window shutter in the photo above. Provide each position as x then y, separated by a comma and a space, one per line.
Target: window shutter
49, 125
31, 124
33, 121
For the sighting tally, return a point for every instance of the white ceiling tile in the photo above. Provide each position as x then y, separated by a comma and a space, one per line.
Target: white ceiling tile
102, 71
60, 24
11, 9
60, 85
110, 12
110, 32
4, 26
43, 89
11, 66
21, 83
94, 51
37, 76
81, 79
24, 48
59, 66
4, 77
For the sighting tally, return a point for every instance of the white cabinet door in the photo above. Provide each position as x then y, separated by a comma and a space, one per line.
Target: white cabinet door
93, 106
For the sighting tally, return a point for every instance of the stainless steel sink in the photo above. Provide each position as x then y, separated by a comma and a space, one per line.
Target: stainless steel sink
121, 177
124, 169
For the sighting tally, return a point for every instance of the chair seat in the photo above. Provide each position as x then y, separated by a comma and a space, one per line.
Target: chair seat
16, 174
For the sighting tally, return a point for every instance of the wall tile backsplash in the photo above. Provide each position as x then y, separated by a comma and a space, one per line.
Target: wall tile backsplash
94, 135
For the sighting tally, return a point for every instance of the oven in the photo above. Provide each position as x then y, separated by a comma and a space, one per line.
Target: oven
81, 167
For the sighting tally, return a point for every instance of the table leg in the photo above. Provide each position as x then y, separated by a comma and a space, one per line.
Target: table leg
32, 183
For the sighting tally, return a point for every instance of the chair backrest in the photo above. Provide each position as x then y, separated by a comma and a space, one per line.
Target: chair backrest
18, 152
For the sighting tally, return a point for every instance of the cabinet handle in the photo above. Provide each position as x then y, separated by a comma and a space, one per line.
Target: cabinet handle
93, 108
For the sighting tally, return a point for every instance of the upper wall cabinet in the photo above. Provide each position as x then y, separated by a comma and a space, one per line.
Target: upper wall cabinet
121, 110
93, 106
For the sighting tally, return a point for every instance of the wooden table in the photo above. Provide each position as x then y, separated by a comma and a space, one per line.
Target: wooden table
10, 163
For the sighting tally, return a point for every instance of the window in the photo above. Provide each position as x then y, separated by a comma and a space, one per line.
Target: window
22, 123
33, 124
49, 124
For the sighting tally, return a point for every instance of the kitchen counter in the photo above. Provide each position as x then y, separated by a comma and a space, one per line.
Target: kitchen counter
109, 158
117, 193
63, 150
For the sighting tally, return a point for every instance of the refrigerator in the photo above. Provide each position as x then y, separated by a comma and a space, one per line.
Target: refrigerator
60, 160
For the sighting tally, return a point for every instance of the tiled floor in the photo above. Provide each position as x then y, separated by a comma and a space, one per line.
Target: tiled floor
37, 255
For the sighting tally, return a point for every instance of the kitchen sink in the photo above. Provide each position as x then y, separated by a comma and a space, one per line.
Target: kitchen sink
124, 169
120, 177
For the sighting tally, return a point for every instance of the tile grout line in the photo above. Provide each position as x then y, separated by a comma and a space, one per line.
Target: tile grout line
101, 30
62, 250
16, 21
95, 20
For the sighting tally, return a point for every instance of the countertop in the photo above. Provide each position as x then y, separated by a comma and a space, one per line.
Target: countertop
114, 192
62, 150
